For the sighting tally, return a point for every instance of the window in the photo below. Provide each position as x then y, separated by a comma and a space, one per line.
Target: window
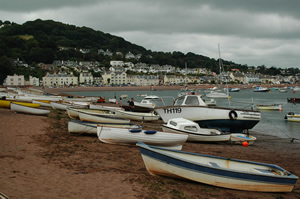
191, 128
192, 100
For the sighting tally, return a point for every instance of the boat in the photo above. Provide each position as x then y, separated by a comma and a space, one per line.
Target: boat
100, 107
234, 89
194, 131
101, 118
192, 107
6, 104
112, 100
293, 100
151, 97
29, 98
132, 136
292, 117
217, 171
217, 94
44, 103
271, 107
29, 110
296, 88
283, 90
84, 127
144, 106
240, 138
137, 115
261, 89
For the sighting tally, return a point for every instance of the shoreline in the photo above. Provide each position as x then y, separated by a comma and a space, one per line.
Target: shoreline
61, 91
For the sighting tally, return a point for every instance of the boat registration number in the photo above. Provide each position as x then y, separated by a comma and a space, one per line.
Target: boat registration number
172, 110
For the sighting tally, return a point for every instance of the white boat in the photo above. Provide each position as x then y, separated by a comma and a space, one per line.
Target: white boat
101, 107
64, 105
194, 131
112, 100
145, 103
132, 136
292, 117
234, 89
29, 98
217, 171
296, 88
217, 94
101, 118
137, 115
75, 126
240, 138
271, 107
42, 103
283, 90
261, 89
152, 97
192, 107
29, 110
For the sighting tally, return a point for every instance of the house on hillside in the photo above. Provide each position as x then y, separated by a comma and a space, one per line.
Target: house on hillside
61, 79
15, 80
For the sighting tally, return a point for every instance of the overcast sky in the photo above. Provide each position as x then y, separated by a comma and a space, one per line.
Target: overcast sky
252, 32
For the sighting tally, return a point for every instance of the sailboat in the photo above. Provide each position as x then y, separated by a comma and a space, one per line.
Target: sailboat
219, 93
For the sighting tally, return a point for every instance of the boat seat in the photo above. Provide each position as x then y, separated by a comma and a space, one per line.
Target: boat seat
135, 130
214, 164
263, 171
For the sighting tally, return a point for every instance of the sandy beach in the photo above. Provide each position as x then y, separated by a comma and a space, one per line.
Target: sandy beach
40, 159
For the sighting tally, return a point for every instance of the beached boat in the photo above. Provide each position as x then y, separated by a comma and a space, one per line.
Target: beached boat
44, 103
132, 136
261, 89
292, 117
272, 107
137, 115
217, 171
101, 118
240, 138
145, 106
192, 107
75, 126
101, 107
29, 110
194, 131
29, 98
6, 104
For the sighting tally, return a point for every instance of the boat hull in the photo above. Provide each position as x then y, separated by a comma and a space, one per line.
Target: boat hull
216, 171
212, 117
81, 127
124, 136
29, 110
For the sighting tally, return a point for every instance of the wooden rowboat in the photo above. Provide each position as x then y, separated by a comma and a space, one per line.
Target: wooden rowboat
132, 136
217, 171
29, 110
137, 115
101, 118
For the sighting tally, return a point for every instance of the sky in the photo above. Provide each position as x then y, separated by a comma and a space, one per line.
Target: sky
255, 33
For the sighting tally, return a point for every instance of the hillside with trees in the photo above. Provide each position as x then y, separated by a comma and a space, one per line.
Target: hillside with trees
42, 41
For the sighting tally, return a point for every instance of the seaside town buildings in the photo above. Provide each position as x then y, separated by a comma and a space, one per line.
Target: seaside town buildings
60, 74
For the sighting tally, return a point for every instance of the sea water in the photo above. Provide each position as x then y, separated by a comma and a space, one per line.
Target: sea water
272, 122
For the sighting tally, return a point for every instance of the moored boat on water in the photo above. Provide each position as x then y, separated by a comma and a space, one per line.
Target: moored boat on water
292, 117
261, 89
217, 171
271, 107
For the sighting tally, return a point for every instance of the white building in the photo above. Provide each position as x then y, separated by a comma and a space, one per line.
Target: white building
60, 80
114, 78
34, 81
86, 78
15, 80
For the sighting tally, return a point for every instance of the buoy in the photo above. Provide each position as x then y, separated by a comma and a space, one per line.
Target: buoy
245, 144
294, 92
229, 97
116, 102
280, 109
